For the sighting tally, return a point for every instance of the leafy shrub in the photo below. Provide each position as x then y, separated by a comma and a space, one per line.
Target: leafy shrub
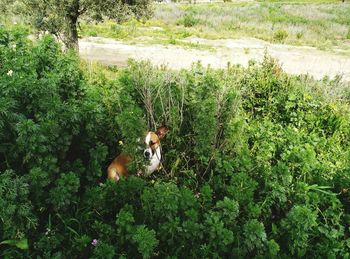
255, 164
64, 194
188, 20
254, 236
280, 35
299, 224
16, 209
145, 240
300, 35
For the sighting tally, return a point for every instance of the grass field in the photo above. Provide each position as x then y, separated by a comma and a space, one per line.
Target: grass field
325, 25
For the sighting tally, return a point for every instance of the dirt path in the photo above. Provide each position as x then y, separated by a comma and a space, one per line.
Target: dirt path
294, 60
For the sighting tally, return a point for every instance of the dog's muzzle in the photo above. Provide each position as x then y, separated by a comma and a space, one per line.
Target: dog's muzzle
147, 153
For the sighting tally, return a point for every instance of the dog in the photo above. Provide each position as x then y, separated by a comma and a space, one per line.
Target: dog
152, 152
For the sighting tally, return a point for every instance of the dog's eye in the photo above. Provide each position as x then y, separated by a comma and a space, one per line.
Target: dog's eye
151, 143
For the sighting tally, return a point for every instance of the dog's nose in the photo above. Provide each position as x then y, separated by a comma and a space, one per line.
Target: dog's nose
147, 153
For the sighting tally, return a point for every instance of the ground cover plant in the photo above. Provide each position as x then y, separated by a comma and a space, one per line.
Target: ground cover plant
324, 25
256, 162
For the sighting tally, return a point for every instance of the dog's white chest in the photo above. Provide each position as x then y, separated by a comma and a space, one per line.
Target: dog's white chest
154, 162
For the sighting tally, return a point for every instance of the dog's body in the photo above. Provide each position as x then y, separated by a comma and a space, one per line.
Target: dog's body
118, 168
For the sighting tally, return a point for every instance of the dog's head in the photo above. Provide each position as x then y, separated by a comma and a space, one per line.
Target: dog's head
152, 141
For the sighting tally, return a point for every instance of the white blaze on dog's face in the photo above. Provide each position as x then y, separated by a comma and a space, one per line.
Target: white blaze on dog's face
152, 145
152, 150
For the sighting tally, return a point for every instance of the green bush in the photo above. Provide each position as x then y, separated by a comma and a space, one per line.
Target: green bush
280, 35
255, 164
188, 20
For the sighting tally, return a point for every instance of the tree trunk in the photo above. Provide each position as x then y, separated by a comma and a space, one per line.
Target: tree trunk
71, 36
71, 32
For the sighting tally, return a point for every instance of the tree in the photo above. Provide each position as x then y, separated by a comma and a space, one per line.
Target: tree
8, 8
62, 17
4, 7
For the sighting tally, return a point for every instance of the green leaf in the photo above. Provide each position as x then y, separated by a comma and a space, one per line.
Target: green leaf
21, 244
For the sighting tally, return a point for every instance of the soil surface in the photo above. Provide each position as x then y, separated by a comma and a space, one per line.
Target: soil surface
294, 60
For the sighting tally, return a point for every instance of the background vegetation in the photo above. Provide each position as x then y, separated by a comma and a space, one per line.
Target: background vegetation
256, 162
323, 24
62, 18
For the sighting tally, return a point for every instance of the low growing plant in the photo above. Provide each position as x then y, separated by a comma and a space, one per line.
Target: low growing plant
255, 164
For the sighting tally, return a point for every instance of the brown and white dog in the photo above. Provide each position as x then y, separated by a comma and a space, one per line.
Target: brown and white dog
152, 153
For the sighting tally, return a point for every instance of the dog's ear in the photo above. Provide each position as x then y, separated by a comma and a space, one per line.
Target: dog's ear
162, 131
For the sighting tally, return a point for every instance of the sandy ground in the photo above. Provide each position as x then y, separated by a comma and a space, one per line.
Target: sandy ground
294, 60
